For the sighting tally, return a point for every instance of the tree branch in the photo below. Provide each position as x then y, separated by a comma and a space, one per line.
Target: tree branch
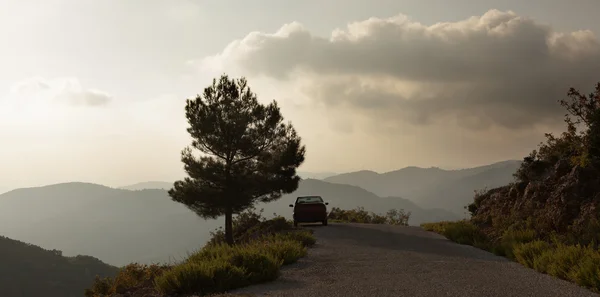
208, 148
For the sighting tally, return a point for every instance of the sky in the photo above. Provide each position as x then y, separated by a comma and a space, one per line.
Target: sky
94, 90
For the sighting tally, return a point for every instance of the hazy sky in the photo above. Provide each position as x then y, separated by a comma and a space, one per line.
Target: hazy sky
94, 90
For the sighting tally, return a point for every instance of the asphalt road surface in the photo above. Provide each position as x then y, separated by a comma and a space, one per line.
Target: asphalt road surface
381, 260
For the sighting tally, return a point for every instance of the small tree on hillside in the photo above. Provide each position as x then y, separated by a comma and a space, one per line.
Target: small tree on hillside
580, 143
250, 155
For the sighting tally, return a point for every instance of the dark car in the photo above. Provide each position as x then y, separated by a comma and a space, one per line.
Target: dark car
310, 209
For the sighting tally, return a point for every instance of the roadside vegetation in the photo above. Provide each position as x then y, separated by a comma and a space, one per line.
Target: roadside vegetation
262, 248
549, 218
360, 215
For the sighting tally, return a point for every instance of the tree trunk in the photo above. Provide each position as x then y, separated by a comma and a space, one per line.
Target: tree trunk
229, 227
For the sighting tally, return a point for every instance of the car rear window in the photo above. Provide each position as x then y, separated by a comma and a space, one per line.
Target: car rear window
311, 199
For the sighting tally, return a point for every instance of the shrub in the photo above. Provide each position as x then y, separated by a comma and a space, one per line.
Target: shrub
526, 253
587, 271
129, 277
250, 225
512, 237
438, 227
260, 266
360, 215
464, 233
241, 224
288, 250
273, 226
187, 278
204, 277
397, 217
461, 232
560, 260
570, 262
305, 237
212, 252
220, 268
227, 277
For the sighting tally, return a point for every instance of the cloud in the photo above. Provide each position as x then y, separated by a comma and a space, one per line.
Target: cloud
61, 90
498, 69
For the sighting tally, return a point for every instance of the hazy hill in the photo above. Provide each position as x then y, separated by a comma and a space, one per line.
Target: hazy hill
115, 225
315, 175
168, 185
122, 226
29, 271
432, 187
348, 196
149, 185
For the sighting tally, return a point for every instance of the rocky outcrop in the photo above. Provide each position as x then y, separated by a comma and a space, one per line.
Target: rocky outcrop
563, 200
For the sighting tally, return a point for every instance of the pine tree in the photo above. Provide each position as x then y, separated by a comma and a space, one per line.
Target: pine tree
249, 154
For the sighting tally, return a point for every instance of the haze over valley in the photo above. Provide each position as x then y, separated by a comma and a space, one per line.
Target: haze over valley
91, 219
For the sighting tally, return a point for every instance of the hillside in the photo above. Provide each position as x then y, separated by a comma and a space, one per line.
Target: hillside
29, 271
348, 197
149, 185
432, 187
111, 224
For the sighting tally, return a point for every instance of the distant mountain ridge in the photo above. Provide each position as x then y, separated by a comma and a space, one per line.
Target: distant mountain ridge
113, 223
149, 185
432, 187
348, 196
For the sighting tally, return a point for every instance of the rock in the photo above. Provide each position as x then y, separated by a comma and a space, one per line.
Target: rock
562, 167
565, 197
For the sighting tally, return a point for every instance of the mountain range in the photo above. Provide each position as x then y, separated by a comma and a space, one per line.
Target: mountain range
450, 190
118, 226
140, 223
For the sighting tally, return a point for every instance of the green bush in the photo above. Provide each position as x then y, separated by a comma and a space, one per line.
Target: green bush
261, 266
212, 252
305, 237
526, 253
186, 278
575, 263
251, 225
587, 271
131, 276
227, 277
288, 251
561, 260
461, 232
360, 215
438, 227
221, 267
513, 237
204, 278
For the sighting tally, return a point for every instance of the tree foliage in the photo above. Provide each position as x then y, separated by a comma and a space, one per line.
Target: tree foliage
249, 154
580, 143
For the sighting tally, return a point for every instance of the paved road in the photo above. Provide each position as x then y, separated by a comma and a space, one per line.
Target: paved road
381, 260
